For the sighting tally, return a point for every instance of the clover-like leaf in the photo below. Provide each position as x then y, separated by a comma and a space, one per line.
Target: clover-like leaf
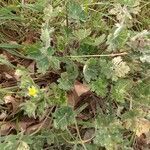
63, 117
142, 92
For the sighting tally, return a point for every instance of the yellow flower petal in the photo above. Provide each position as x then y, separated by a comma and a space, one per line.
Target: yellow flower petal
32, 91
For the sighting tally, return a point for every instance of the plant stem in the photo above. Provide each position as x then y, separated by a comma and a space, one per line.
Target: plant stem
78, 132
103, 55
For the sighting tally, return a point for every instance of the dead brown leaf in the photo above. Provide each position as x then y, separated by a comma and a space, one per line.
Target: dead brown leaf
3, 115
9, 99
8, 76
80, 88
72, 98
6, 127
37, 127
31, 67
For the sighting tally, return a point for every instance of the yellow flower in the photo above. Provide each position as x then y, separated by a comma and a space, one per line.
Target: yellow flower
32, 91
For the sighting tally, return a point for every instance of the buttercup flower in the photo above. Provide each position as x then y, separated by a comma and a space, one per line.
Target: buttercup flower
32, 91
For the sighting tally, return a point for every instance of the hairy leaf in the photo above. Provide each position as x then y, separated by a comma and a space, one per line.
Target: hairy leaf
91, 70
63, 117
99, 86
75, 11
82, 33
119, 90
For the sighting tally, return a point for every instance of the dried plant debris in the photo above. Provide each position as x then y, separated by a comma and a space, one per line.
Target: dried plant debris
74, 75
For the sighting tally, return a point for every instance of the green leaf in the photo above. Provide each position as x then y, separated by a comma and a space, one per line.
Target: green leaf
104, 120
10, 46
54, 62
99, 86
131, 114
65, 82
127, 2
57, 95
108, 132
119, 90
91, 69
75, 11
118, 38
10, 142
45, 62
6, 13
82, 34
29, 108
108, 138
67, 78
23, 146
33, 50
99, 40
26, 81
63, 117
106, 68
45, 36
43, 65
72, 69
142, 93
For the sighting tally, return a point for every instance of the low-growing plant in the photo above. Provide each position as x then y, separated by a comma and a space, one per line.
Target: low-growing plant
101, 44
